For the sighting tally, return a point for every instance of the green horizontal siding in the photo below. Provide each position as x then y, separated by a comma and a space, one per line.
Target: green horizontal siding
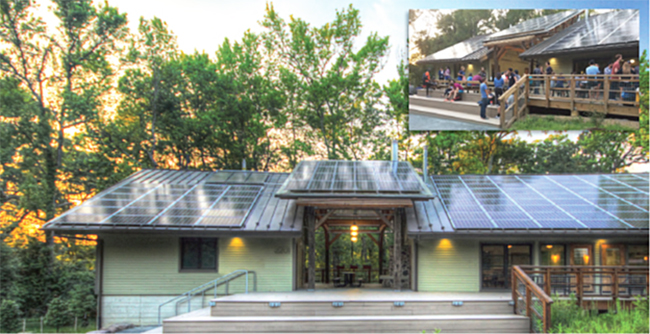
448, 265
150, 265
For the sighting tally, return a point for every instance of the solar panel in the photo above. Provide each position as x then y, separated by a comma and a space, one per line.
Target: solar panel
354, 177
616, 27
237, 177
538, 24
541, 202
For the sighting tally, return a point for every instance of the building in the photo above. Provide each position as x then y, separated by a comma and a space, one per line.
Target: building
568, 40
162, 233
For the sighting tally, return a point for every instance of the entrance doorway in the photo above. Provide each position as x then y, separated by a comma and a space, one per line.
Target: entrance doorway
497, 262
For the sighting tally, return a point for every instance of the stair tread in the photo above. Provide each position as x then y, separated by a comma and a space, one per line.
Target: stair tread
439, 99
461, 116
204, 318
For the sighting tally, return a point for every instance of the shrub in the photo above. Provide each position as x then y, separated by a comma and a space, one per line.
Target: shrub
568, 317
58, 314
9, 316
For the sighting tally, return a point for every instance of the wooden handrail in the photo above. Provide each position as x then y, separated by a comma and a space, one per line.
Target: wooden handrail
531, 289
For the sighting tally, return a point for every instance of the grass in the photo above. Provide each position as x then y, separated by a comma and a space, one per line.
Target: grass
34, 326
549, 123
568, 317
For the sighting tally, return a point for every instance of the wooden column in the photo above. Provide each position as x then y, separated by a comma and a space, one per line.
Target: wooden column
381, 251
310, 222
327, 255
397, 250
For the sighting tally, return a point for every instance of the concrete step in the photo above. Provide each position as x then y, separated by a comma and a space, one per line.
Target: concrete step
227, 309
468, 107
453, 115
352, 324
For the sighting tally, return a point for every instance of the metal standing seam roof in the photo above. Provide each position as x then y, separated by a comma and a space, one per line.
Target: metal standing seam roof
534, 26
153, 200
610, 30
467, 50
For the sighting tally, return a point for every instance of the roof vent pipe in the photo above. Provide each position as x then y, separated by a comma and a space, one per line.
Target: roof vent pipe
395, 150
425, 162
243, 164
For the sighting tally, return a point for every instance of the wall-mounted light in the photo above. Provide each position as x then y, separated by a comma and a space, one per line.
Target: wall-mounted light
555, 258
549, 246
585, 258
509, 246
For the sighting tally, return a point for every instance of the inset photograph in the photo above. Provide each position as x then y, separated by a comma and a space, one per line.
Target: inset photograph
536, 69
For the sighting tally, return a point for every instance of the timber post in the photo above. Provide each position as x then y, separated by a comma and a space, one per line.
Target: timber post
397, 250
310, 221
327, 255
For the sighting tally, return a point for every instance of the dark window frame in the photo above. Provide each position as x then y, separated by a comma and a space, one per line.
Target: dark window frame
181, 242
506, 258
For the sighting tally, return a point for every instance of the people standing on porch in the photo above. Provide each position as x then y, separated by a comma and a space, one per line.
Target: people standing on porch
461, 74
536, 83
482, 73
447, 74
511, 78
498, 87
616, 69
549, 69
484, 98
441, 74
627, 87
426, 81
592, 84
517, 76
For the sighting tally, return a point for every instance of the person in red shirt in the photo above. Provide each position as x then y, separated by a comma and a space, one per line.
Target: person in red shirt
451, 94
616, 69
426, 81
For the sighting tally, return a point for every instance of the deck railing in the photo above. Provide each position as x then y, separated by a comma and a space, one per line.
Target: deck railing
532, 287
530, 300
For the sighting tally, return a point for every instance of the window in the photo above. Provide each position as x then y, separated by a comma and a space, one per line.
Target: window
580, 255
552, 255
612, 255
199, 254
638, 255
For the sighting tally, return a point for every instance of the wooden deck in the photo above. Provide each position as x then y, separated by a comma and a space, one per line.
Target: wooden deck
354, 310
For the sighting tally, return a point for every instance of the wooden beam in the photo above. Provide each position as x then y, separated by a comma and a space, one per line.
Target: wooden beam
336, 236
324, 218
355, 203
386, 221
376, 222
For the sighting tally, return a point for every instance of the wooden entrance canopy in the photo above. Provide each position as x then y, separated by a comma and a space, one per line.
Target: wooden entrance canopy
367, 213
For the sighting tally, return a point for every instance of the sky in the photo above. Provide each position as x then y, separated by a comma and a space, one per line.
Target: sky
203, 24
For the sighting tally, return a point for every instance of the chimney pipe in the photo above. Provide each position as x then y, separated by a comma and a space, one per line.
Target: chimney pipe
243, 164
395, 150
425, 163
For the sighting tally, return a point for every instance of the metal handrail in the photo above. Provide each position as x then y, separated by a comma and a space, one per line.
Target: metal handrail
225, 279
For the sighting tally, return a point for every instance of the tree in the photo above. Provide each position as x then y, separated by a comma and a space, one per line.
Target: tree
9, 316
58, 314
57, 81
335, 85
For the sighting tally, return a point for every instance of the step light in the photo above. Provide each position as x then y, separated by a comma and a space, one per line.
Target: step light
457, 303
213, 303
398, 304
337, 304
274, 304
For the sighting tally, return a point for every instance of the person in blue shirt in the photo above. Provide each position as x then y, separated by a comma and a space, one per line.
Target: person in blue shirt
484, 98
498, 87
592, 70
461, 74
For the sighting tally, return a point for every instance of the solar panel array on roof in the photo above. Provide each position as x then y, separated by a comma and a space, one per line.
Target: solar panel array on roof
617, 201
151, 204
612, 28
539, 24
237, 177
354, 176
470, 49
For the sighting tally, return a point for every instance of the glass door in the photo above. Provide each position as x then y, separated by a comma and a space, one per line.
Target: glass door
497, 261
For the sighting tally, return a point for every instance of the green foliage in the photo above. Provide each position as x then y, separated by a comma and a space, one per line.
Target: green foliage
568, 317
550, 123
9, 316
58, 314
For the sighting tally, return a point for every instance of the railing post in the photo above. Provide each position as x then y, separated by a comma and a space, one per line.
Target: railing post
529, 300
606, 93
547, 317
515, 111
247, 282
527, 92
502, 119
547, 90
579, 286
514, 290
547, 281
189, 303
615, 285
572, 96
